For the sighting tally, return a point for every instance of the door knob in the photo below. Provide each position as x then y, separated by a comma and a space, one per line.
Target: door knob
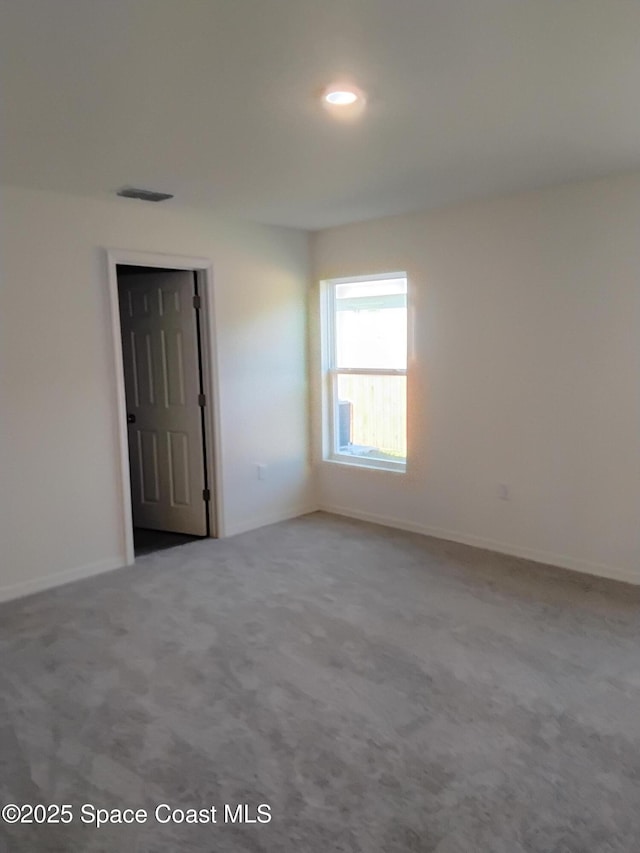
131, 419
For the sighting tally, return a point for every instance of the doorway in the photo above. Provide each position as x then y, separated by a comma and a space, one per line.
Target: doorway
166, 402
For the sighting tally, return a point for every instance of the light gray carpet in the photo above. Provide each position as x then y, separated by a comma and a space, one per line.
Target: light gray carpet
381, 691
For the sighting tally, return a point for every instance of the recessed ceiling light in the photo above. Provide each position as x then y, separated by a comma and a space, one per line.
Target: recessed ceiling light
341, 97
343, 100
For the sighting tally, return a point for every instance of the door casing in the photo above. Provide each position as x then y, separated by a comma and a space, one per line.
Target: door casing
204, 272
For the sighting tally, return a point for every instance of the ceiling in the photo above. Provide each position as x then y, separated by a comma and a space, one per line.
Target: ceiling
217, 101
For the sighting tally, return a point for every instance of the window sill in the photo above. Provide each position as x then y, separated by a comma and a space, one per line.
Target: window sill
346, 462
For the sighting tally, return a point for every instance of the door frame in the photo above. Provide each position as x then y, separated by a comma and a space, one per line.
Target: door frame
203, 269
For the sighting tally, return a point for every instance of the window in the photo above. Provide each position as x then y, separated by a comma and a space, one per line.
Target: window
365, 371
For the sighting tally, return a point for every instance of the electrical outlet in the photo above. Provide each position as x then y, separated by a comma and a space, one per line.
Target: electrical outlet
503, 492
261, 471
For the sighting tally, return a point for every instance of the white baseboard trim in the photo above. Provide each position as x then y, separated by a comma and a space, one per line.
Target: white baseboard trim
273, 518
600, 570
28, 587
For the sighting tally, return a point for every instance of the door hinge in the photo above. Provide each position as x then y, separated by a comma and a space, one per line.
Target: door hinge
202, 400
206, 494
197, 302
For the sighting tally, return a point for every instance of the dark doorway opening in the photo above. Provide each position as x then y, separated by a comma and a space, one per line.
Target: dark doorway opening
163, 367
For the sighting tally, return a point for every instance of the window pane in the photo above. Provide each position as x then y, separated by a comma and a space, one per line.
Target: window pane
372, 416
371, 324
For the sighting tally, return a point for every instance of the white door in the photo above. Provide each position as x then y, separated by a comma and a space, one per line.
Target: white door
160, 349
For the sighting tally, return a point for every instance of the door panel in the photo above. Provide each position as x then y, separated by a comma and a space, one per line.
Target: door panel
173, 368
160, 351
147, 442
179, 468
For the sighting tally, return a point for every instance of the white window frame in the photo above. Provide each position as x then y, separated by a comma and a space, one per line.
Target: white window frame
330, 373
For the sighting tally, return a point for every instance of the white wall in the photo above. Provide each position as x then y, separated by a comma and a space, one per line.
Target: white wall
526, 372
60, 513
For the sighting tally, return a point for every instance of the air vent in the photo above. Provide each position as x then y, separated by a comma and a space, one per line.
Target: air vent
143, 195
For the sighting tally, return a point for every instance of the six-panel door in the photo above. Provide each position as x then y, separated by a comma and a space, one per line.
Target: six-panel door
160, 350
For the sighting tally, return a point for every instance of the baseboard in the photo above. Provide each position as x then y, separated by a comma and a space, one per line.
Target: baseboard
29, 587
600, 570
273, 518
19, 590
